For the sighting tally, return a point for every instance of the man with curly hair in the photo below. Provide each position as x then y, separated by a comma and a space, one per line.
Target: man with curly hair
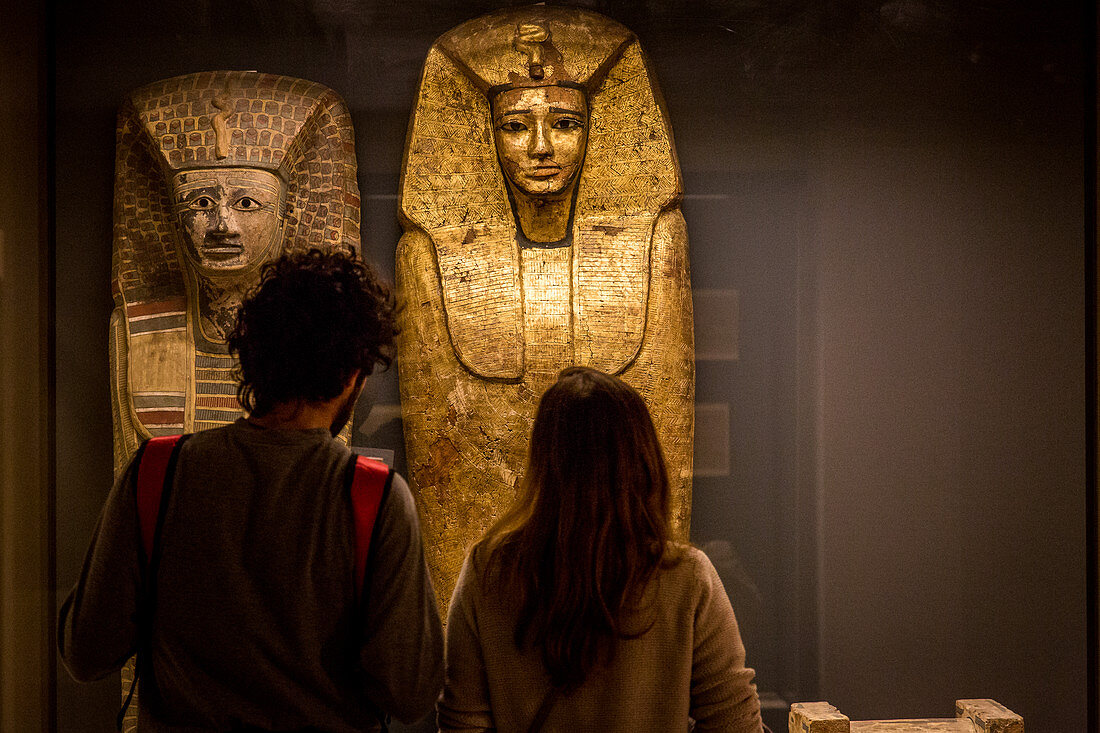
259, 623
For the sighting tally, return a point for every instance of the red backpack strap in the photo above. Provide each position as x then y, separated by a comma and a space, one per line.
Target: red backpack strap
368, 486
156, 466
158, 454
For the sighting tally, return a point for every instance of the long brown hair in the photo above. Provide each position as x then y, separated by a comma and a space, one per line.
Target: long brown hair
589, 529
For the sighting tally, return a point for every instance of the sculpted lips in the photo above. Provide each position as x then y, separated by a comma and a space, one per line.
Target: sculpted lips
545, 171
224, 247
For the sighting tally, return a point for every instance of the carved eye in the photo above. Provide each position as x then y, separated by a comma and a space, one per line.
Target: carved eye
202, 203
567, 123
513, 126
247, 203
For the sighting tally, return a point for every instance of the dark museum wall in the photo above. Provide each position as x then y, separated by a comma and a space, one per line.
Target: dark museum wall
885, 208
25, 607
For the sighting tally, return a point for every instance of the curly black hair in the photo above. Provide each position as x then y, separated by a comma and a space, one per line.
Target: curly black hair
314, 320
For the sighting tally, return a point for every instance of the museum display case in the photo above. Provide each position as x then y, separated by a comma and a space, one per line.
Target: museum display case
886, 228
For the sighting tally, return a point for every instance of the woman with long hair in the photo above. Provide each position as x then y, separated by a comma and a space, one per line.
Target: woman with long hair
576, 611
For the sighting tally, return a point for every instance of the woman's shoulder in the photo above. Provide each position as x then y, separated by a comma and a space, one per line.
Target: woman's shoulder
683, 553
691, 565
481, 593
474, 567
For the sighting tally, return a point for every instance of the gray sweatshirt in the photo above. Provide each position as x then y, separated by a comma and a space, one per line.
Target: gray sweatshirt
256, 622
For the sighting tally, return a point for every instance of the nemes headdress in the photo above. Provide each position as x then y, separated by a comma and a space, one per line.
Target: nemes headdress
453, 188
299, 130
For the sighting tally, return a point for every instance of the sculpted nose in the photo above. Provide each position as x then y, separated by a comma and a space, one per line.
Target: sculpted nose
541, 147
221, 222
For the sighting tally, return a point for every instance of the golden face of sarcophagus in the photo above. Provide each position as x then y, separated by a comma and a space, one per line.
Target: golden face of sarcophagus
214, 172
540, 202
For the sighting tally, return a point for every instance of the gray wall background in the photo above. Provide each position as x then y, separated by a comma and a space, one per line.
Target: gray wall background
895, 193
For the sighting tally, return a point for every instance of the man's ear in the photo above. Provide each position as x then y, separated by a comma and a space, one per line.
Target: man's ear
357, 378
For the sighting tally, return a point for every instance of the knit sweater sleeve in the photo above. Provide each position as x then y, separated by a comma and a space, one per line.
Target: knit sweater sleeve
464, 705
723, 696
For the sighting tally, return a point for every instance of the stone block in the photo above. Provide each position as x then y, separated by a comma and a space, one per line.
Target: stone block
816, 717
989, 716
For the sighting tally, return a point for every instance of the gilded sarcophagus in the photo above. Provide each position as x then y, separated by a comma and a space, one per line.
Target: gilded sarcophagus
540, 202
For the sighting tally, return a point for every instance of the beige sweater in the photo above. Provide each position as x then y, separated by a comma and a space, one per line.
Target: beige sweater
690, 663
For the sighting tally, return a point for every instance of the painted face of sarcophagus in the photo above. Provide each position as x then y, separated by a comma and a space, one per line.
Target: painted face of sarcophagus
216, 173
540, 202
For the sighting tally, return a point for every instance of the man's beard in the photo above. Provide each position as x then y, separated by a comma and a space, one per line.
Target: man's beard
346, 409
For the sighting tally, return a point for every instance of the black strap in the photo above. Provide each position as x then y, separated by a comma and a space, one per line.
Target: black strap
544, 710
148, 594
121, 717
